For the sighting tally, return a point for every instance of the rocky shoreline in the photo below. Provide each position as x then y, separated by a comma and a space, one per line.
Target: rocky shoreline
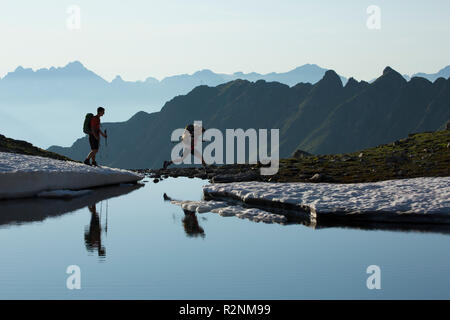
419, 155
213, 173
225, 174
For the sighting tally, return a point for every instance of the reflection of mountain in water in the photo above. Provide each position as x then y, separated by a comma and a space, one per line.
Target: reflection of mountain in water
20, 211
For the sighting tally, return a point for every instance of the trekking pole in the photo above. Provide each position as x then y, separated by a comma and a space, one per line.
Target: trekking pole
100, 215
106, 144
106, 227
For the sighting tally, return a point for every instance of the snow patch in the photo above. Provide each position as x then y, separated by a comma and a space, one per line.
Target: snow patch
27, 176
419, 195
226, 210
199, 206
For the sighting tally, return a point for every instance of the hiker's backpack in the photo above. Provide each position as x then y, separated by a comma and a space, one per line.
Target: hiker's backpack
87, 123
190, 129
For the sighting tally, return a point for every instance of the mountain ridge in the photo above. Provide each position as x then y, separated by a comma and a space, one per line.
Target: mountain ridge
323, 118
77, 66
66, 92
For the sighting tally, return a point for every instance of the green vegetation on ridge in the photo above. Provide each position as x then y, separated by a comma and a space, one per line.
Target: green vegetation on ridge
23, 147
424, 154
419, 155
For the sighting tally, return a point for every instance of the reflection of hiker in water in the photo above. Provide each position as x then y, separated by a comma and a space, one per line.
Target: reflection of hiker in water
191, 137
190, 222
191, 226
93, 234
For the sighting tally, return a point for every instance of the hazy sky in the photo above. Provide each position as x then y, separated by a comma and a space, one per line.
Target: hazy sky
141, 38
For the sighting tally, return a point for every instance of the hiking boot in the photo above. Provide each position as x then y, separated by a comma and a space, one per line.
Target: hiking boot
205, 166
166, 164
94, 163
87, 162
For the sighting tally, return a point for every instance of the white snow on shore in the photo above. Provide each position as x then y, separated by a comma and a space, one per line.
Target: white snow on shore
26, 176
419, 195
226, 210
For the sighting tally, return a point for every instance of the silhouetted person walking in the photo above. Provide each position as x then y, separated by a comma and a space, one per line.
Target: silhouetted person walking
191, 137
94, 136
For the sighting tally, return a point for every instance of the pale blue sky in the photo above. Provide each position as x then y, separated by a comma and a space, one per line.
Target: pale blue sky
141, 38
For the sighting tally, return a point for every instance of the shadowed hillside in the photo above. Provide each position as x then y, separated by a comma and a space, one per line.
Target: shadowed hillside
23, 147
29, 98
323, 118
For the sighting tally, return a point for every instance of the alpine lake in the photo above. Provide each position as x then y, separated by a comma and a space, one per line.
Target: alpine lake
127, 242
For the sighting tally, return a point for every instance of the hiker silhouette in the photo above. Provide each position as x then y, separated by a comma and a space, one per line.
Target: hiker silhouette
190, 221
192, 135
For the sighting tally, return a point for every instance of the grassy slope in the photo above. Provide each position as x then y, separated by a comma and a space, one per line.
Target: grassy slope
23, 147
419, 155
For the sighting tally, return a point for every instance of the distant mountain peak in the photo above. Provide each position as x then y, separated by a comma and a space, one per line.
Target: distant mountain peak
204, 72
151, 80
308, 66
443, 70
444, 73
118, 78
331, 77
19, 73
392, 75
388, 70
75, 65
351, 82
21, 69
331, 73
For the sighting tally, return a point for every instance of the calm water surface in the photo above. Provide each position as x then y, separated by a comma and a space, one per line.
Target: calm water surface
129, 243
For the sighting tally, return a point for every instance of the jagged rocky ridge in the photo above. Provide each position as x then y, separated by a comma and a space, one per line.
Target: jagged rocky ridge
323, 118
